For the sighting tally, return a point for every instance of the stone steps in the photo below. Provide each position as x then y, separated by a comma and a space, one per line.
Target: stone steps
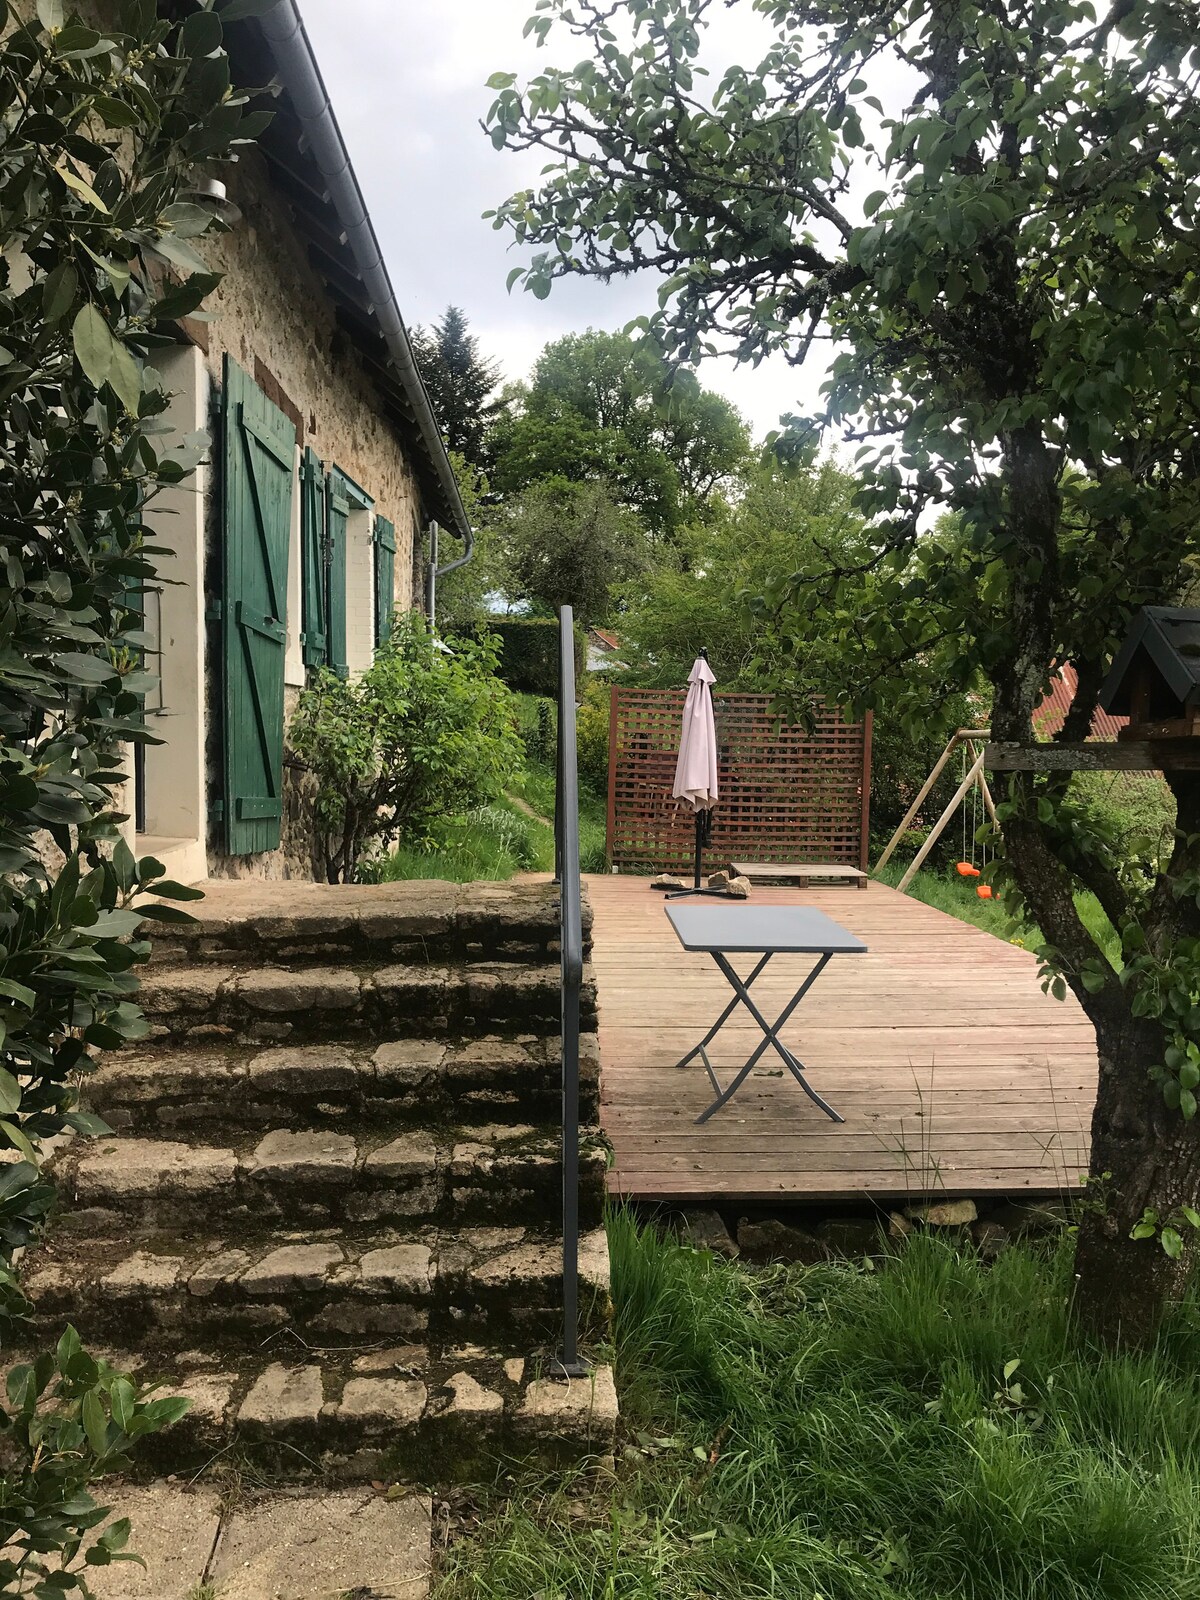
329, 1211
379, 924
385, 1412
208, 1000
290, 1291
403, 1082
323, 1177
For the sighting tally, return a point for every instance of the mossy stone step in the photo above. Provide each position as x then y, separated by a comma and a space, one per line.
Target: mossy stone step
208, 1001
404, 1082
290, 1290
299, 923
308, 1177
394, 1412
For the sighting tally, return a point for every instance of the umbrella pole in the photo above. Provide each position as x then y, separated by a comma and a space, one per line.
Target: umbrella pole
683, 894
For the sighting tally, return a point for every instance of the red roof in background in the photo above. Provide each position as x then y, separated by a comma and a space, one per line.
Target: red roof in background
604, 637
1049, 717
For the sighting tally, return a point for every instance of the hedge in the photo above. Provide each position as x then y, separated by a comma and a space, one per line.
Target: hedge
529, 653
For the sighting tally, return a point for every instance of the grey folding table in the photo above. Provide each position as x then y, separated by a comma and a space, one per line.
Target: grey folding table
764, 931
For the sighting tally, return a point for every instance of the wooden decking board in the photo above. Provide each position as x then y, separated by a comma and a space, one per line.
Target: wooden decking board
955, 1072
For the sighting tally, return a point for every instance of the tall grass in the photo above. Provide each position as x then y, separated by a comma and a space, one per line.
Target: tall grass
945, 890
490, 842
927, 1430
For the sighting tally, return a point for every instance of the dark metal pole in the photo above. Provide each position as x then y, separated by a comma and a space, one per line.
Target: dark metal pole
571, 944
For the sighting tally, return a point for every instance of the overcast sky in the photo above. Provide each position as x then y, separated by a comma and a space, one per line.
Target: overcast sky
406, 78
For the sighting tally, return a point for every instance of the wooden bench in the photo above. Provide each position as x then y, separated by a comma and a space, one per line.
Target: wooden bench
798, 872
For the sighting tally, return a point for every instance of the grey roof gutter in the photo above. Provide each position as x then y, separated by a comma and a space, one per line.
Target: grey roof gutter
284, 32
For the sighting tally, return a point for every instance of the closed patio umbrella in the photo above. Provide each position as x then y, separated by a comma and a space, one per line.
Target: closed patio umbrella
696, 769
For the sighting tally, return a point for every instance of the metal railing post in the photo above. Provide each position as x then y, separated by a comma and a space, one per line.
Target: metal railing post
566, 814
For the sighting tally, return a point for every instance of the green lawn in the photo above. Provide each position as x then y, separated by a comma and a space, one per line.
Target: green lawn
926, 1430
948, 892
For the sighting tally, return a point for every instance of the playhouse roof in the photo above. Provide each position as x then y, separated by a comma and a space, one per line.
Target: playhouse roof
1170, 637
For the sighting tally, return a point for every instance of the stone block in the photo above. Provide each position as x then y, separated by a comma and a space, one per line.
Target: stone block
382, 1402
772, 1240
304, 1156
315, 1547
944, 1213
408, 1063
466, 1400
293, 1268
218, 1272
575, 1410
705, 1230
398, 1269
305, 1068
144, 1274
136, 1169
284, 1398
277, 991
411, 1156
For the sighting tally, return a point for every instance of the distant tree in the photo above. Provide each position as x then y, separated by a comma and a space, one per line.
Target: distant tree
1016, 304
465, 595
599, 406
567, 544
460, 384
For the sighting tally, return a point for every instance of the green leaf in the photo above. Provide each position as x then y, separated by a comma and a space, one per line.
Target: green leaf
170, 890
1187, 1104
200, 34
95, 1423
94, 344
873, 202
81, 187
10, 989
86, 668
1191, 1215
59, 291
1172, 1242
51, 14
126, 378
1143, 1230
19, 1141
122, 1398
10, 1092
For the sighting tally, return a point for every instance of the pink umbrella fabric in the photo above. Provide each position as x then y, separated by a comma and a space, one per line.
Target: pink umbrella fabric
696, 769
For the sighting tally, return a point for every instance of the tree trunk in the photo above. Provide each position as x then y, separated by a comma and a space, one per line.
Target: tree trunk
1143, 1155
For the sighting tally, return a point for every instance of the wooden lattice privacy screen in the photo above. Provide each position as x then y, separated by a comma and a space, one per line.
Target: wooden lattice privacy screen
786, 794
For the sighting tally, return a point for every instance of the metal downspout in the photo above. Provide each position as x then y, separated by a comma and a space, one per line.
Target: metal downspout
284, 32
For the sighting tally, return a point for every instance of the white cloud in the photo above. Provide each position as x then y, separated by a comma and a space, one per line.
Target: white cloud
407, 83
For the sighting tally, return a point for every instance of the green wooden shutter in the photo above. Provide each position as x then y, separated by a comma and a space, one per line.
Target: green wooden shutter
337, 515
385, 578
259, 463
314, 634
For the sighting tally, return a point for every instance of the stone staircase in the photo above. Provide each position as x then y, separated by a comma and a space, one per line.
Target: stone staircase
329, 1211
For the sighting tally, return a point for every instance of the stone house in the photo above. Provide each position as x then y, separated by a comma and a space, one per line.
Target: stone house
326, 482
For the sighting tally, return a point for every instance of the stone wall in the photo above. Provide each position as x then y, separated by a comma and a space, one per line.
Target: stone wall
271, 314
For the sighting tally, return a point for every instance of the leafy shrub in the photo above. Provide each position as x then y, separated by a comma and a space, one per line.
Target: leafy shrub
99, 130
591, 734
428, 731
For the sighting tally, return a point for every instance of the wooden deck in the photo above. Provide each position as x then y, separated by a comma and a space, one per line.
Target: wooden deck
955, 1073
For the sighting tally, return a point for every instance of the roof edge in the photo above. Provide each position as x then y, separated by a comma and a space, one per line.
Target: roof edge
284, 31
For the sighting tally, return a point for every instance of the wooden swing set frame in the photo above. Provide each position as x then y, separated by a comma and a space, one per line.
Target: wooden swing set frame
975, 740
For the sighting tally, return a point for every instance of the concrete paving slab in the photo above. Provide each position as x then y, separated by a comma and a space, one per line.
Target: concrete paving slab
320, 1547
174, 1530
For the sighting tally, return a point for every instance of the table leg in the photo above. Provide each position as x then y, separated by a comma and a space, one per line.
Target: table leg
770, 1036
712, 1033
